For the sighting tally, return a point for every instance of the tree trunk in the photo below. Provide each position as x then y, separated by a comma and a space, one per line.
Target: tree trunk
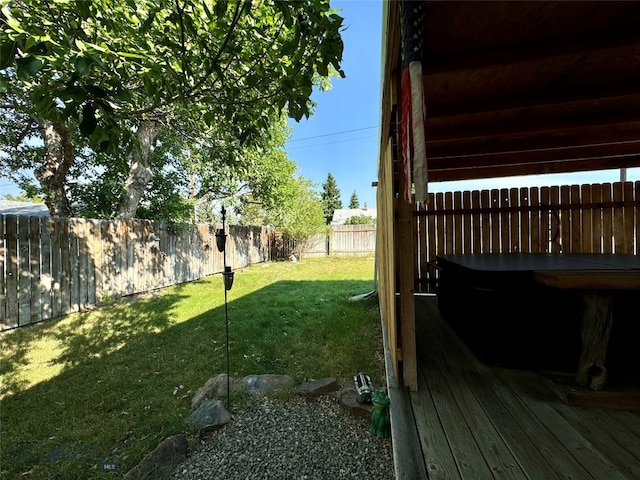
139, 174
52, 174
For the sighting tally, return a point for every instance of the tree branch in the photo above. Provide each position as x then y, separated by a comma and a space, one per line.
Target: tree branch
25, 131
190, 95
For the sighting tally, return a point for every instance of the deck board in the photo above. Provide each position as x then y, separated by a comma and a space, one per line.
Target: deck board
439, 459
541, 403
477, 421
438, 362
493, 396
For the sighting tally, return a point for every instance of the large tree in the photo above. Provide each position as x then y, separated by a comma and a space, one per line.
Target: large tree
119, 74
330, 198
300, 213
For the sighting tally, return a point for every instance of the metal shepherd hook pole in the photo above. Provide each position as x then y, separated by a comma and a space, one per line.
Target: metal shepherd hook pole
227, 276
226, 311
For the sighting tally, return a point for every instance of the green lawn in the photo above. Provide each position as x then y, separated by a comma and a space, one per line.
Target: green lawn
109, 385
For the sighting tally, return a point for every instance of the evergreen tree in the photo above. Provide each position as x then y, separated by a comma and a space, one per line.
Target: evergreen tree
330, 198
354, 202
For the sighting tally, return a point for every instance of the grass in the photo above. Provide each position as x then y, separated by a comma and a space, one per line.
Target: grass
110, 384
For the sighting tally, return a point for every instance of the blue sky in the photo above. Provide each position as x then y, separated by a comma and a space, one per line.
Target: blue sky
341, 137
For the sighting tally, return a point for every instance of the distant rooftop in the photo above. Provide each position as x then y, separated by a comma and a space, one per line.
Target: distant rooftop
10, 207
341, 215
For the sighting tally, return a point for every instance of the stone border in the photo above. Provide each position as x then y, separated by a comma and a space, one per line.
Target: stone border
208, 413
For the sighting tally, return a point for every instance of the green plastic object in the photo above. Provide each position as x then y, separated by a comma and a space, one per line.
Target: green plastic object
380, 420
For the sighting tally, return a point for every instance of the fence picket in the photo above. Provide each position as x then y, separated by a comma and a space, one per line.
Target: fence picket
495, 221
46, 282
505, 242
65, 267
586, 233
93, 255
627, 214
536, 212
35, 263
514, 222
440, 225
636, 230
74, 265
555, 221
576, 218
618, 219
431, 228
24, 283
11, 283
475, 228
448, 223
565, 218
597, 218
457, 223
485, 224
545, 220
524, 220
607, 219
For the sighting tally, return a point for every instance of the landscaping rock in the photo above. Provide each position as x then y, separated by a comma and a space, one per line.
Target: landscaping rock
349, 401
215, 387
318, 387
210, 414
161, 462
265, 383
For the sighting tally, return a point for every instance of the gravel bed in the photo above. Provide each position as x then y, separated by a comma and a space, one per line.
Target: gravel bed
298, 439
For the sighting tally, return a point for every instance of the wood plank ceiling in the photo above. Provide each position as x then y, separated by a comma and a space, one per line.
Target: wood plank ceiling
516, 88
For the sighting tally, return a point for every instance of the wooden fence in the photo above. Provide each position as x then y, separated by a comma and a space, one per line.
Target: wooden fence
344, 240
598, 218
53, 266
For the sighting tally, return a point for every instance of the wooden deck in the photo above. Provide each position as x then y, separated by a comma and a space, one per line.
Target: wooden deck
472, 421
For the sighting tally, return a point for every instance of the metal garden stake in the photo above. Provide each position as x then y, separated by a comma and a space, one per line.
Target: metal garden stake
227, 276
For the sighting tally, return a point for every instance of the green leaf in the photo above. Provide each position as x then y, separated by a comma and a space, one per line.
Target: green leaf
146, 25
7, 54
209, 118
28, 67
89, 122
221, 8
322, 69
288, 48
31, 41
83, 9
101, 138
83, 65
11, 21
97, 91
131, 55
4, 84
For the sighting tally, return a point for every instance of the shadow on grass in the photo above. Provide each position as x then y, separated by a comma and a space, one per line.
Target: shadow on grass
127, 373
78, 338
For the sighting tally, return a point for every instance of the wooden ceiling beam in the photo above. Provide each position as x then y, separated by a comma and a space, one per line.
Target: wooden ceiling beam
556, 138
618, 92
504, 159
509, 170
603, 40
